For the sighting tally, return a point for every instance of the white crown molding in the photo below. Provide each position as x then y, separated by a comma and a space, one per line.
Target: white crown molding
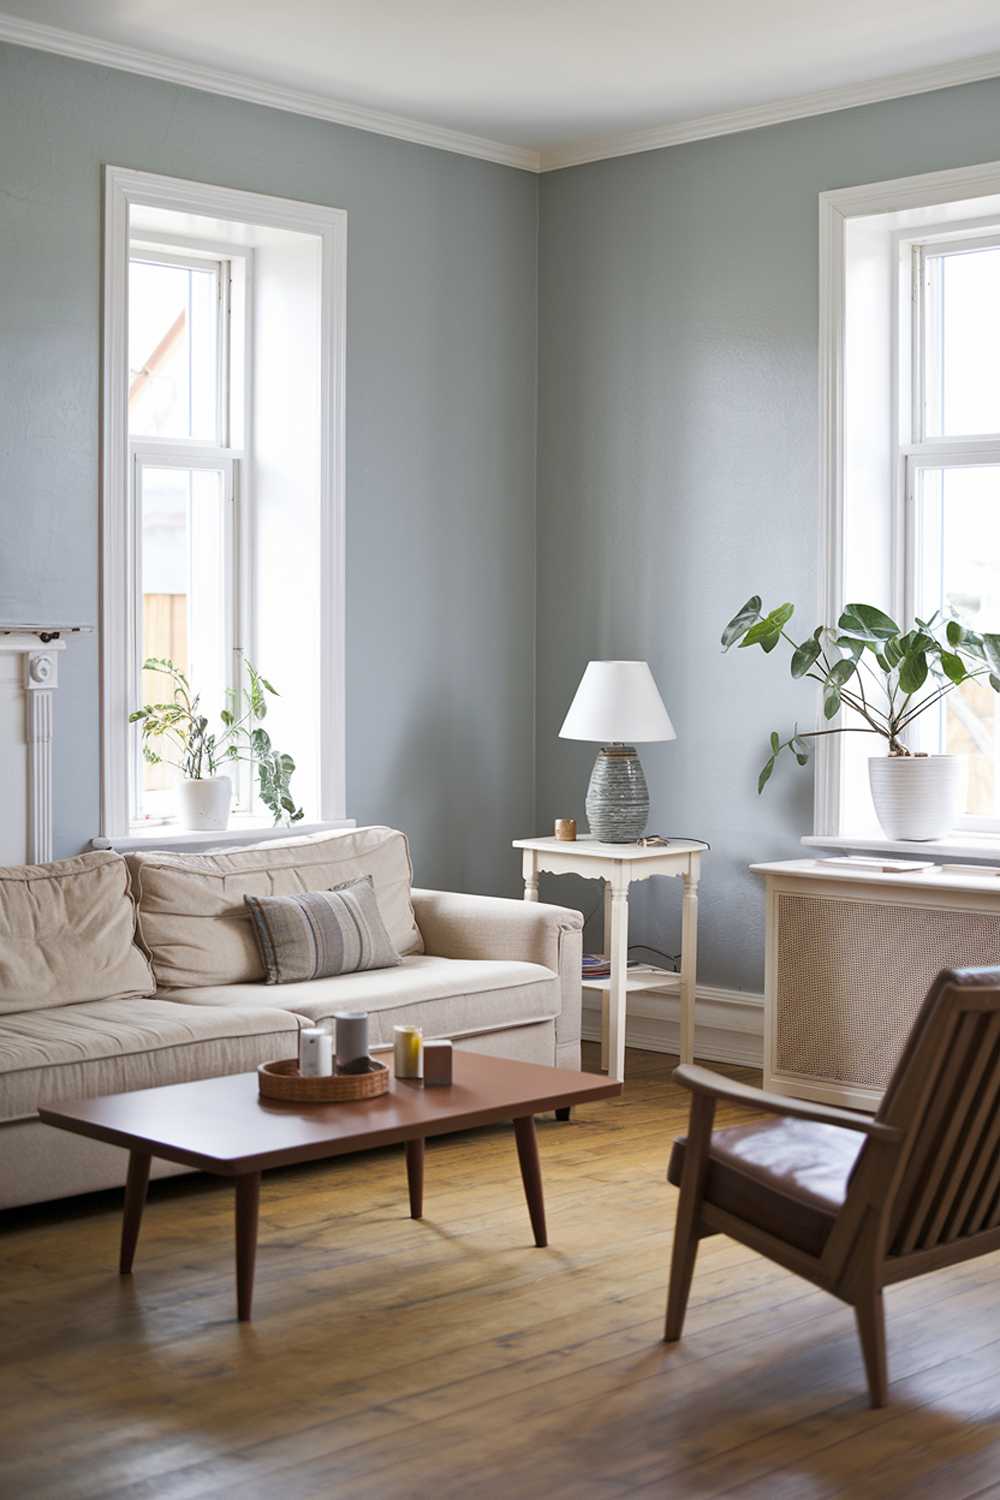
255, 91
212, 80
826, 101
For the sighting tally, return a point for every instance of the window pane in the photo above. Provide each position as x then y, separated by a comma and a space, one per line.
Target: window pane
173, 351
183, 600
963, 343
958, 572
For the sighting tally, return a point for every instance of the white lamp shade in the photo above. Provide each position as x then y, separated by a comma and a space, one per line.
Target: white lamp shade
617, 702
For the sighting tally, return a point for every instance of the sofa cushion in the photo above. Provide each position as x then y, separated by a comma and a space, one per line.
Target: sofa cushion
67, 934
195, 925
320, 933
446, 996
113, 1046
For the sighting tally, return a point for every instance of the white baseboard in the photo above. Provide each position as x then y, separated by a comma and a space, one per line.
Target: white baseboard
729, 1024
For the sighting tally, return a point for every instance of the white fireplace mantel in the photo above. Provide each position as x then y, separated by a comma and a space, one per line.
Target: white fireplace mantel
29, 676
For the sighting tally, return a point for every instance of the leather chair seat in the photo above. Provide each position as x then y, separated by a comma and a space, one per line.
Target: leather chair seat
788, 1177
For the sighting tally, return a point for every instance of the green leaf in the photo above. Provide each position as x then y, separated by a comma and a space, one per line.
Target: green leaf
803, 760
831, 700
765, 776
994, 683
913, 672
954, 666
803, 656
741, 621
991, 649
893, 652
771, 626
953, 631
866, 623
842, 671
775, 741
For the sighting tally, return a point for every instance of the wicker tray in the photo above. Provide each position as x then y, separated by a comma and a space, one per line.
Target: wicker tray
282, 1080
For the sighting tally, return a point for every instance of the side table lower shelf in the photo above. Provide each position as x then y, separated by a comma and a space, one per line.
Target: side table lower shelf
641, 977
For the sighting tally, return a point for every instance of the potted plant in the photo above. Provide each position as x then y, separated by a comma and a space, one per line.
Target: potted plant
888, 677
205, 795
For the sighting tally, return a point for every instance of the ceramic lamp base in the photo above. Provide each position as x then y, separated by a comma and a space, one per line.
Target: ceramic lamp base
617, 797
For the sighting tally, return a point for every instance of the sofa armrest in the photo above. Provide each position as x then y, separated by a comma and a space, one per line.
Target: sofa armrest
495, 927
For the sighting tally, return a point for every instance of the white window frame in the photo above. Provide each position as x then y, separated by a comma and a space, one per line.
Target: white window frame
125, 189
196, 453
836, 211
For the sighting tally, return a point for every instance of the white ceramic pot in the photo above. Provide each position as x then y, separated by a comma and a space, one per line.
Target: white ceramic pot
205, 804
917, 797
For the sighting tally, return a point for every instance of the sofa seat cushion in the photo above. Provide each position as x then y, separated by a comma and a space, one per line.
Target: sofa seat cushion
446, 996
788, 1177
193, 920
113, 1046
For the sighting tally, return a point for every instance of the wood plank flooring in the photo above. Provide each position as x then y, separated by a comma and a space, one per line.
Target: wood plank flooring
450, 1358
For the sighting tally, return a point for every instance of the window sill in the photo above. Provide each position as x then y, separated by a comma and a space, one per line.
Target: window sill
959, 845
240, 831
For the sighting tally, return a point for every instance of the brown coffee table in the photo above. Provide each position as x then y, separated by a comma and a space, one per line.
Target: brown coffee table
220, 1125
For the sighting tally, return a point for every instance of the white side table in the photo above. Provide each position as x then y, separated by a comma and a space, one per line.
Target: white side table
618, 865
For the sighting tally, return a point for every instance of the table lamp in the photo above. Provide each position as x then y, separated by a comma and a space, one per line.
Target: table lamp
618, 705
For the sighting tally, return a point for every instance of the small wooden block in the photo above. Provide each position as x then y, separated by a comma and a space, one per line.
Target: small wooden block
438, 1062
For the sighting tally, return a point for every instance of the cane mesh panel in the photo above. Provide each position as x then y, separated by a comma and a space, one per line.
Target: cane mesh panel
851, 976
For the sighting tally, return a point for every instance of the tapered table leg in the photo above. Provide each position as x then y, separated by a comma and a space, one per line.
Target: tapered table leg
135, 1202
531, 1175
247, 1202
415, 1176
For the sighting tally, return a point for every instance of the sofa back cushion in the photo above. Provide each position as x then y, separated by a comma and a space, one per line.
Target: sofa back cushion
194, 922
67, 934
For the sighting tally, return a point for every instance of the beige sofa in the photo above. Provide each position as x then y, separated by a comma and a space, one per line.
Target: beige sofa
120, 974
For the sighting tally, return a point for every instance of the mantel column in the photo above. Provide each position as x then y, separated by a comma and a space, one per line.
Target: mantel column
41, 678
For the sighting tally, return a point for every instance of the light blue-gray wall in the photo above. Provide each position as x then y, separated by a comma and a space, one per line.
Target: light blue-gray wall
678, 465
440, 434
675, 311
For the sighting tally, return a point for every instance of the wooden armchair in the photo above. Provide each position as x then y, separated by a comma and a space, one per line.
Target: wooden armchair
852, 1202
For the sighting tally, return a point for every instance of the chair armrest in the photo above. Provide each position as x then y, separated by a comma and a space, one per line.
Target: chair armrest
713, 1085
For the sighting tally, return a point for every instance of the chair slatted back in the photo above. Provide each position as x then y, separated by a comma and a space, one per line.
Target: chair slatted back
945, 1095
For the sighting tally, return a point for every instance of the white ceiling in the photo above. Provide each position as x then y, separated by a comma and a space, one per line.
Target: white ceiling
544, 73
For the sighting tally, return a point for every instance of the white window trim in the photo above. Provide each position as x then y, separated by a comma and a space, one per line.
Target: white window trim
123, 189
836, 209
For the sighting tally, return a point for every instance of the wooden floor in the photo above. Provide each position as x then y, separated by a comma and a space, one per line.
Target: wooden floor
452, 1359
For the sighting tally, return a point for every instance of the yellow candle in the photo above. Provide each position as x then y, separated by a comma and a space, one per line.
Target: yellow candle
408, 1051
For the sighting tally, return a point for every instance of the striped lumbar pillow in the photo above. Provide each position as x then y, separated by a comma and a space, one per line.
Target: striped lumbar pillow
321, 933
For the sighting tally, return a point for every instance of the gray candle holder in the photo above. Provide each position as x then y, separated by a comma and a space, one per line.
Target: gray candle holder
351, 1041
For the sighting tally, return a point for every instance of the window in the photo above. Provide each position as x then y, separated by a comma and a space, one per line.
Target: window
951, 484
910, 451
187, 476
222, 500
